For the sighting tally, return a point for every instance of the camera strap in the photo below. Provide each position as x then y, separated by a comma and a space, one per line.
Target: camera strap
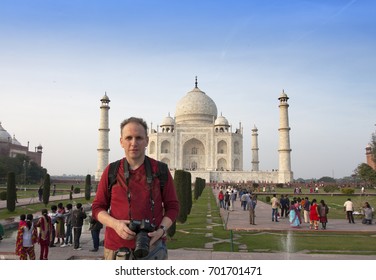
149, 180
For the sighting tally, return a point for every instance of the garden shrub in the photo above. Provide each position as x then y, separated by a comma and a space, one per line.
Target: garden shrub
347, 191
3, 195
330, 188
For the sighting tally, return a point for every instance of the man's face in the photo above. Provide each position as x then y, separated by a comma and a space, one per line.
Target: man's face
134, 141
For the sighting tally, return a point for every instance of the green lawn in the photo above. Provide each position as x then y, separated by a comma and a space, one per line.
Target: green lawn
194, 233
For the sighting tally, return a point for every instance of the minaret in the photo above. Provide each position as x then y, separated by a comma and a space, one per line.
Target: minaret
284, 173
255, 149
103, 146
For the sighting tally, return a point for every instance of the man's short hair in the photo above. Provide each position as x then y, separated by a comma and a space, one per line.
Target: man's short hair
134, 120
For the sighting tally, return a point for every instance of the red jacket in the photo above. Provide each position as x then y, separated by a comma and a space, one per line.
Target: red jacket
140, 206
221, 196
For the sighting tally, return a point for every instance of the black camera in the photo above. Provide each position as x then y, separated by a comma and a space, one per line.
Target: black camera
141, 228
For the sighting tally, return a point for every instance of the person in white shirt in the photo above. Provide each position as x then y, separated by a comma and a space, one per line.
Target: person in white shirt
348, 206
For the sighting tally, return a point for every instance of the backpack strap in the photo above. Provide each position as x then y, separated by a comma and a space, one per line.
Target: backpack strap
162, 174
112, 174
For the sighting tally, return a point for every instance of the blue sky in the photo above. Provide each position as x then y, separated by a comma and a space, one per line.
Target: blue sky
58, 58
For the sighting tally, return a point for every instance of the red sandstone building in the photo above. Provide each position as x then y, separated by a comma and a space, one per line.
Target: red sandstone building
369, 157
11, 147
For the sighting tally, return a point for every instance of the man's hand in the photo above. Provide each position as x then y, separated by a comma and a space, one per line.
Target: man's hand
122, 229
156, 235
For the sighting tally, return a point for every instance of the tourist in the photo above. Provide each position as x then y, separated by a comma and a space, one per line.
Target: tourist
314, 215
252, 207
53, 216
95, 228
306, 207
244, 200
232, 199
68, 226
227, 200
323, 210
27, 236
368, 213
45, 230
40, 193
275, 205
133, 197
221, 198
348, 206
60, 224
78, 217
294, 214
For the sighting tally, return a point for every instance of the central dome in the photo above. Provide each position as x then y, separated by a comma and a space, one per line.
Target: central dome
196, 107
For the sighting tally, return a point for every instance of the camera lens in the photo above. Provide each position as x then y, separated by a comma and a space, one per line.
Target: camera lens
142, 245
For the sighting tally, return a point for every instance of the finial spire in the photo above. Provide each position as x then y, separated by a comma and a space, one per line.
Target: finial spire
196, 82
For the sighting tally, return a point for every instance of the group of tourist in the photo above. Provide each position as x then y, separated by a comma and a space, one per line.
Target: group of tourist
61, 226
248, 201
314, 213
297, 210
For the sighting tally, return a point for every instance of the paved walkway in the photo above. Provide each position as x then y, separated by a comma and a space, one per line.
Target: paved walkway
235, 220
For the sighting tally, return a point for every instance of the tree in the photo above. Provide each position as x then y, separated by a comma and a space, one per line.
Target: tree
87, 187
181, 186
24, 169
11, 192
199, 187
188, 190
373, 146
327, 179
366, 173
46, 189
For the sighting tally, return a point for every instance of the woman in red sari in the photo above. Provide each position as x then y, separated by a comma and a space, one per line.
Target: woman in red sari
45, 225
314, 216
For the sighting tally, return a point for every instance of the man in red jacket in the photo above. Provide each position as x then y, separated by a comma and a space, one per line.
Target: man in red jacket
134, 202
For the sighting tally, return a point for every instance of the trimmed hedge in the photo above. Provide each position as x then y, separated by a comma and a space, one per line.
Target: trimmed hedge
11, 192
46, 189
87, 187
182, 182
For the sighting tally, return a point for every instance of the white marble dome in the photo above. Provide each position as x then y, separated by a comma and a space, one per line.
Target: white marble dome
196, 107
221, 121
168, 121
4, 135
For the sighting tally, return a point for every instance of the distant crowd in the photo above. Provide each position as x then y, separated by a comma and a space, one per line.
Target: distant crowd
61, 226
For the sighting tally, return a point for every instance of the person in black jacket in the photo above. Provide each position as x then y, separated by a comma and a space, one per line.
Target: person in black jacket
95, 228
78, 217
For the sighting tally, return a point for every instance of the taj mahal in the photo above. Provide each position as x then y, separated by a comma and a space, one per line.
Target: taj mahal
202, 142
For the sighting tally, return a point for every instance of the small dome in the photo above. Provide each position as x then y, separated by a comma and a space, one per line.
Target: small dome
105, 98
4, 135
195, 107
168, 121
221, 121
283, 96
